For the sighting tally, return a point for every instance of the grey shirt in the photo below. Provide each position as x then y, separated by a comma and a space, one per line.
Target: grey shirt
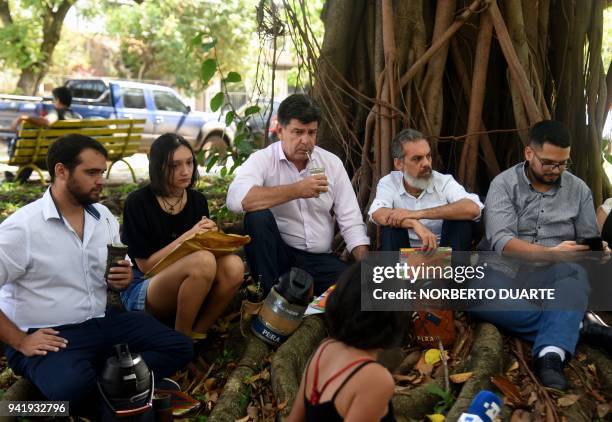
514, 209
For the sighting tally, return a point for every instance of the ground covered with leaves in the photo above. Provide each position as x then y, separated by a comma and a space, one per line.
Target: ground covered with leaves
429, 382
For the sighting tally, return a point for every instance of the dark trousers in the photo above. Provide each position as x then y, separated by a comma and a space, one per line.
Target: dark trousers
72, 373
269, 256
455, 233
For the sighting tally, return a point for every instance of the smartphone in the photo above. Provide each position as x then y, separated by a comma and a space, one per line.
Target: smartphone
594, 243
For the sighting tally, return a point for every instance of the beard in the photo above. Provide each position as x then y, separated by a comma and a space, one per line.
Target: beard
552, 179
80, 196
421, 183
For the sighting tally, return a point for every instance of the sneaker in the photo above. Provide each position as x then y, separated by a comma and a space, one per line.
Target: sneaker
549, 370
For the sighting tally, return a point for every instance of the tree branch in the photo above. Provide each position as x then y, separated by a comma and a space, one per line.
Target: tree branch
5, 13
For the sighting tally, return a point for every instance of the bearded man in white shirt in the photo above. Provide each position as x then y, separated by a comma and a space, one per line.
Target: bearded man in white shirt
293, 193
419, 207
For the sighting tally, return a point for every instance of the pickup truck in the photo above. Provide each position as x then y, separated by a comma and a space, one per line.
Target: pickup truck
161, 106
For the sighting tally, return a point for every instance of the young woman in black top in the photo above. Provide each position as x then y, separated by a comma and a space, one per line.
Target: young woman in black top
158, 217
343, 380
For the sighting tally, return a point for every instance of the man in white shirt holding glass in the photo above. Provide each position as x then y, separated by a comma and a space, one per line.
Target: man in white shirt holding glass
419, 207
293, 193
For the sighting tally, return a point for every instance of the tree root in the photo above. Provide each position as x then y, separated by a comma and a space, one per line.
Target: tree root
603, 363
22, 390
290, 360
236, 394
484, 361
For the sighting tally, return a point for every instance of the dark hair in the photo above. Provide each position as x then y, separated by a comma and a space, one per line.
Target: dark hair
347, 323
63, 95
66, 150
551, 131
160, 162
402, 137
298, 106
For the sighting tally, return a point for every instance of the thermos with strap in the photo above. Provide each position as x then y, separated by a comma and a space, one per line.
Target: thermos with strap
283, 308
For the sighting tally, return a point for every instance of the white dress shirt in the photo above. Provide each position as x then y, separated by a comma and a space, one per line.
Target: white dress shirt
305, 224
391, 193
48, 276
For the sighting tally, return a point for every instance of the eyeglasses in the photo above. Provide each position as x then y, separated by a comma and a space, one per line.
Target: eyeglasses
551, 165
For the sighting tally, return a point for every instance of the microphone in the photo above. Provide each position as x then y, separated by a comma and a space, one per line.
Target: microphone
485, 407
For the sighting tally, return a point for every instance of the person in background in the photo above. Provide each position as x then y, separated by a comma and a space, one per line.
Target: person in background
157, 218
62, 99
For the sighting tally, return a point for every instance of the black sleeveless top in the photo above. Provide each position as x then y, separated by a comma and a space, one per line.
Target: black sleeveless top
326, 411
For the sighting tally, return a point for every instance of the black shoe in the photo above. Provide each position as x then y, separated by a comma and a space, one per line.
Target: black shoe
595, 331
549, 370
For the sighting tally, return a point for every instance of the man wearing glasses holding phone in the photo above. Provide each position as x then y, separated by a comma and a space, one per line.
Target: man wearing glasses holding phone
537, 206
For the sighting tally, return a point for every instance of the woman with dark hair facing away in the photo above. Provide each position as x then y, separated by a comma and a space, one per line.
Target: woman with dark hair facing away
343, 380
158, 217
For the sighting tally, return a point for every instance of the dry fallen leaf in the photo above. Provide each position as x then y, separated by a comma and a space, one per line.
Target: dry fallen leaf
424, 368
568, 400
252, 412
245, 419
282, 405
513, 367
580, 357
520, 415
592, 368
461, 378
401, 378
508, 389
532, 398
436, 417
603, 409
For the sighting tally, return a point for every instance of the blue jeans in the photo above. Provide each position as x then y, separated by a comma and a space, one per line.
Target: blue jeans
269, 256
71, 374
552, 327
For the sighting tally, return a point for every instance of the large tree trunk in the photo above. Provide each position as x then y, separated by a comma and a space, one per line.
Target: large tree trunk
383, 66
53, 20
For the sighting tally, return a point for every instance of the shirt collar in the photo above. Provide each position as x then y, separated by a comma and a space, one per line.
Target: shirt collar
283, 157
51, 210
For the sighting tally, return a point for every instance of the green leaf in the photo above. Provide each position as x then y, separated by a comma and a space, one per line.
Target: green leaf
217, 101
229, 117
240, 126
251, 110
210, 162
209, 45
197, 40
209, 68
233, 77
435, 389
223, 171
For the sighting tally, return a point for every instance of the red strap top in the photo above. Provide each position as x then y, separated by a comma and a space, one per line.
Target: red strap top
315, 394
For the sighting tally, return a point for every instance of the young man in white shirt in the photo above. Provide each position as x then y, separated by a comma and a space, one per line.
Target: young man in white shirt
419, 207
53, 314
290, 209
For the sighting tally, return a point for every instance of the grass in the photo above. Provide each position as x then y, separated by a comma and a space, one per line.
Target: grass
14, 196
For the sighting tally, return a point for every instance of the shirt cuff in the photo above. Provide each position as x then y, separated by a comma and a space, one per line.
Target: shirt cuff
499, 244
376, 205
235, 196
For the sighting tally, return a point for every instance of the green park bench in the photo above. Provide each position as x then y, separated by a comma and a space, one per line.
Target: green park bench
120, 137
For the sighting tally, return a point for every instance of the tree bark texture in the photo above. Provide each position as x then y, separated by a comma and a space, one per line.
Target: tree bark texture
511, 64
